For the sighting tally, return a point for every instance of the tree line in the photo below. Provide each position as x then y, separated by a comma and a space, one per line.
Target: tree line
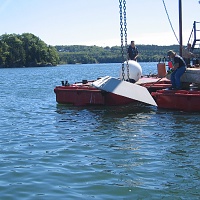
94, 54
28, 50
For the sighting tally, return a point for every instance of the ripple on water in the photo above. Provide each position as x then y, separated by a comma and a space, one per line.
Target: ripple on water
50, 151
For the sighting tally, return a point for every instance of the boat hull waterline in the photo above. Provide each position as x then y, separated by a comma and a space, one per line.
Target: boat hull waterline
85, 94
183, 100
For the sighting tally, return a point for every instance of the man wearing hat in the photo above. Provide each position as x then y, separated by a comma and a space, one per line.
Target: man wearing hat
179, 67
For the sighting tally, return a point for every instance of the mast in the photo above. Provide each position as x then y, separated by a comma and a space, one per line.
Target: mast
180, 28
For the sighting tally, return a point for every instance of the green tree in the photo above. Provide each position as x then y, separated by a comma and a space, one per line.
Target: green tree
26, 50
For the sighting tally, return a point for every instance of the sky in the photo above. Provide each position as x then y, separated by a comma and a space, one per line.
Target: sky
97, 22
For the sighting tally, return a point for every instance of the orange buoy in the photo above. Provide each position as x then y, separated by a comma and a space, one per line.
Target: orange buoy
161, 70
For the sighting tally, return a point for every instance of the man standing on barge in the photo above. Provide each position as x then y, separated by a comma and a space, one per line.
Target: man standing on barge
187, 54
132, 51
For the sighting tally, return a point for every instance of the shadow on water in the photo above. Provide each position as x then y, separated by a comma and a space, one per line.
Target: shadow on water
173, 121
104, 118
180, 117
109, 111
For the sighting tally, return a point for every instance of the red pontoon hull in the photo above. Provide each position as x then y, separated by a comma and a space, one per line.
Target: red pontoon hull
84, 94
183, 100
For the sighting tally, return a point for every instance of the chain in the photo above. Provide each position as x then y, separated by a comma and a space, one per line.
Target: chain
122, 38
123, 34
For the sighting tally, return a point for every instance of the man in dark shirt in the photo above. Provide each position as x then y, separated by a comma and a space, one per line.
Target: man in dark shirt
179, 67
132, 51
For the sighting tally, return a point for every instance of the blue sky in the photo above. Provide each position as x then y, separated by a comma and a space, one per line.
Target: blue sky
96, 22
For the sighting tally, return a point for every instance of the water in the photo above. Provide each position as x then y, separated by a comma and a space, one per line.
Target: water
50, 151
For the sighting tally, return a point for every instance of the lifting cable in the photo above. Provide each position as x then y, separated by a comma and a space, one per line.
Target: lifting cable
170, 22
123, 34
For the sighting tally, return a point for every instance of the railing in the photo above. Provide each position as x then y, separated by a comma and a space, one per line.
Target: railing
193, 37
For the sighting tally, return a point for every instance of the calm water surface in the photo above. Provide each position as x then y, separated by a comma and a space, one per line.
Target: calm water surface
50, 151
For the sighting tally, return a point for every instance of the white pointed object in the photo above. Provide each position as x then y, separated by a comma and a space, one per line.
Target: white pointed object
125, 89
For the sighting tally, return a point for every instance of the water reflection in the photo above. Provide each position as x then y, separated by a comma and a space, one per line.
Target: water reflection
95, 152
109, 111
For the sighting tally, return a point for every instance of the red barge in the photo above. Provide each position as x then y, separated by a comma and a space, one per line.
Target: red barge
184, 100
86, 93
